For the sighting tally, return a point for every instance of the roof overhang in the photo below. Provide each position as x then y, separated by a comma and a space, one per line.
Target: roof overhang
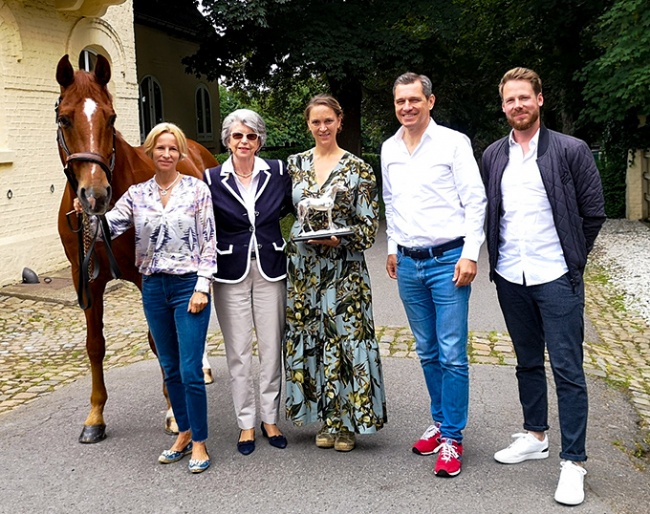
91, 8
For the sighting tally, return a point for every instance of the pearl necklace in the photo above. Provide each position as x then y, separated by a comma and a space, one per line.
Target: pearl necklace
164, 190
244, 175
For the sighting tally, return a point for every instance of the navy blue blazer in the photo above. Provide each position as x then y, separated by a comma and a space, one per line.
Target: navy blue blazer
236, 236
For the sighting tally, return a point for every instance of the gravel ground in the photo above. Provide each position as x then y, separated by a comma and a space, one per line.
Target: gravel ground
623, 248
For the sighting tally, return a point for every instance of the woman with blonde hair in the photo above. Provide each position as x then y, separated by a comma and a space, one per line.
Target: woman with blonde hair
175, 250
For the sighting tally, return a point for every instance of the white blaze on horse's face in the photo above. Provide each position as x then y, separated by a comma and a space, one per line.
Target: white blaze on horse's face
90, 106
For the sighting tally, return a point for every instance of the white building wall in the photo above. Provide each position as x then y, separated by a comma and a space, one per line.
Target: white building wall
34, 35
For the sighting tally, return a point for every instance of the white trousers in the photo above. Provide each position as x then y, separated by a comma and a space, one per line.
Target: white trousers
253, 302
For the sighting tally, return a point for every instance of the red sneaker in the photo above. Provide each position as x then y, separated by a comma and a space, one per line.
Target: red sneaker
429, 442
450, 459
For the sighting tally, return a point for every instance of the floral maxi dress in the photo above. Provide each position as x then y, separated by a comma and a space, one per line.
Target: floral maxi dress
333, 370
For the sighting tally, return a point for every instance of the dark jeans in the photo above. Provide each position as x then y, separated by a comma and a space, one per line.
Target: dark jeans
180, 340
549, 315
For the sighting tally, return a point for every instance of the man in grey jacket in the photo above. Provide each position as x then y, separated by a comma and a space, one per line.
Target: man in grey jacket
545, 209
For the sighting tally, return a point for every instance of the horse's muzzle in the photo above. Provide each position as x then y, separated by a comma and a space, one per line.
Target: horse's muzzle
95, 200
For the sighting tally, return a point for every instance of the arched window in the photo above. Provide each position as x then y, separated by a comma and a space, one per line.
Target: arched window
87, 59
151, 105
203, 114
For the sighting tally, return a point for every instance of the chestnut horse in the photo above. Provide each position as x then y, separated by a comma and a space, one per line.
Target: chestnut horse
100, 167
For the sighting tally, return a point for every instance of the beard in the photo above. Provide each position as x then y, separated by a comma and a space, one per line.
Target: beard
525, 123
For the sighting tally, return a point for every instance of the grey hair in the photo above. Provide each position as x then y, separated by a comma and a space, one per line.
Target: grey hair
247, 117
411, 78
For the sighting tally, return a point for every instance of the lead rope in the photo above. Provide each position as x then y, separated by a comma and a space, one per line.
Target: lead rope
88, 268
87, 242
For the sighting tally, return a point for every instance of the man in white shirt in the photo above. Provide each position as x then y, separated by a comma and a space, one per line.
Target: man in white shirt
545, 209
435, 208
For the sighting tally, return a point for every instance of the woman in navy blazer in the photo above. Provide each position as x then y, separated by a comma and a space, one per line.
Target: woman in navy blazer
250, 195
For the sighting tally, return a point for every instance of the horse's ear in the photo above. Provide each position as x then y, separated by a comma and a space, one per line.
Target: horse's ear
102, 70
64, 72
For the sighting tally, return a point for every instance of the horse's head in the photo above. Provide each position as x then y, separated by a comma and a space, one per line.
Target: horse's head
338, 187
86, 133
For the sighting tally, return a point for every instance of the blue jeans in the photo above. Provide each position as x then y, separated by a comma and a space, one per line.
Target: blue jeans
549, 316
437, 313
180, 340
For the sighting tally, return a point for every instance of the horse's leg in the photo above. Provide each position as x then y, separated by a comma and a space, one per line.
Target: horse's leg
330, 224
170, 421
94, 427
301, 217
207, 369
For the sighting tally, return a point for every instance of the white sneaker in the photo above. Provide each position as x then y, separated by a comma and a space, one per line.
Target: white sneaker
525, 447
570, 488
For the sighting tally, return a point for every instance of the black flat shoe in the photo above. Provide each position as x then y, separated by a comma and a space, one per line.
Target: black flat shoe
278, 441
245, 447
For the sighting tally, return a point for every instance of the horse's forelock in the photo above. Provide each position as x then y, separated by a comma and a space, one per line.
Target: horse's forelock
85, 86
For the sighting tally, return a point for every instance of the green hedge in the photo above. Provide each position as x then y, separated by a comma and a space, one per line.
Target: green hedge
375, 162
612, 174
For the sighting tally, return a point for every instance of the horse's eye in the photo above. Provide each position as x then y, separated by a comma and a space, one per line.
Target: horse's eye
111, 120
64, 122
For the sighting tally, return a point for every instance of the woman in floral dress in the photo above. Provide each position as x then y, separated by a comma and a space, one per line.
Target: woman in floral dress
333, 368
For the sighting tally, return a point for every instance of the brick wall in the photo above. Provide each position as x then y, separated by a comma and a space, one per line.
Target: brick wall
33, 37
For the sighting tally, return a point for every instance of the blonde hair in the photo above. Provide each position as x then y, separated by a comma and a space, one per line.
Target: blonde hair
521, 74
165, 128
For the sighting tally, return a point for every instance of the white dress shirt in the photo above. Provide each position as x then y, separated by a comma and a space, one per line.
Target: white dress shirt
435, 194
529, 247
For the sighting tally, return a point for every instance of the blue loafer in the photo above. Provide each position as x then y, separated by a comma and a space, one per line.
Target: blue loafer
277, 441
198, 466
169, 456
245, 447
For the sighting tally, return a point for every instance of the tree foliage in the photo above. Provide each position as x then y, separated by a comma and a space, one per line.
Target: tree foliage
351, 43
618, 80
593, 57
281, 111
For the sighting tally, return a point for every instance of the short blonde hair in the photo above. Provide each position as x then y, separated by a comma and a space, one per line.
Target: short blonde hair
521, 74
165, 128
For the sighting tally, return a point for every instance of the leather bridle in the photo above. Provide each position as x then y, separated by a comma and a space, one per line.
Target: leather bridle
107, 165
86, 238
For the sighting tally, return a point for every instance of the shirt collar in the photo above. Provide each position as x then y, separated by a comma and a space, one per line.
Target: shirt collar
258, 165
532, 144
431, 127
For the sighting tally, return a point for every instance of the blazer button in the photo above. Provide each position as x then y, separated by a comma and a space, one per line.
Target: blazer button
251, 229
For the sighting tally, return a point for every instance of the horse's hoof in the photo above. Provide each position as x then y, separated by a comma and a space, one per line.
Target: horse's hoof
207, 376
171, 427
92, 434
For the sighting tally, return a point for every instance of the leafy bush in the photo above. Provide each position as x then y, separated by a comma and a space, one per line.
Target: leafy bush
612, 167
374, 160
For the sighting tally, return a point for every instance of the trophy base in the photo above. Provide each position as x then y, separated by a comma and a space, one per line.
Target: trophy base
323, 234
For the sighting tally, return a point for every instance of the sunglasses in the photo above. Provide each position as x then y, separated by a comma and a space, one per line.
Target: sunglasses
250, 137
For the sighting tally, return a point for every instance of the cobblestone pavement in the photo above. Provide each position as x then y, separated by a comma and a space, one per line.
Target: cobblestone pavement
42, 344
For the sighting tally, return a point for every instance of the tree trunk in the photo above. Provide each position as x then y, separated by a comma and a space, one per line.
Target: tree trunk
348, 92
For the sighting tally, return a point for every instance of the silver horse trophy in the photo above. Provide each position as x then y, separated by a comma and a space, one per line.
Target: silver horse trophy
323, 203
